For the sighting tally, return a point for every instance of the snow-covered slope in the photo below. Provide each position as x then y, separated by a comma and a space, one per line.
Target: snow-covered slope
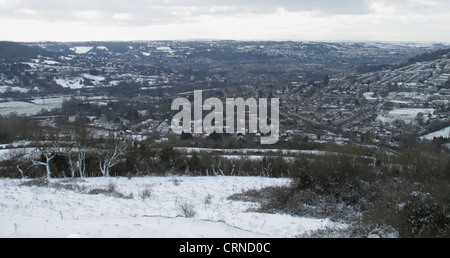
445, 133
152, 208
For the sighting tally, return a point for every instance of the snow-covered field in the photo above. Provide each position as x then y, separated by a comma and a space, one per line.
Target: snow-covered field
81, 50
4, 89
152, 207
445, 133
72, 83
31, 108
408, 115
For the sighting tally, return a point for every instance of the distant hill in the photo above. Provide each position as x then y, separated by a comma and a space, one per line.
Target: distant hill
429, 56
16, 51
425, 57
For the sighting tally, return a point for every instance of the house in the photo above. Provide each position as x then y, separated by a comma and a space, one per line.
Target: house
447, 68
444, 91
443, 78
383, 133
72, 119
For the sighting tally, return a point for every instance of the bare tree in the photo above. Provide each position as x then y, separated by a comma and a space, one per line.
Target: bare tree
110, 154
49, 154
267, 166
46, 150
218, 168
77, 147
108, 159
20, 159
233, 167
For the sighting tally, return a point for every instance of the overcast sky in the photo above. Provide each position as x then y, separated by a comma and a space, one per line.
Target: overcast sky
322, 20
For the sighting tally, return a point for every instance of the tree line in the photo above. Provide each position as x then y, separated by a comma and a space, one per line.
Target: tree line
78, 152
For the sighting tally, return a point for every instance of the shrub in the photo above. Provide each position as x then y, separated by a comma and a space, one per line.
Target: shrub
39, 182
146, 193
208, 199
110, 190
187, 210
426, 218
406, 195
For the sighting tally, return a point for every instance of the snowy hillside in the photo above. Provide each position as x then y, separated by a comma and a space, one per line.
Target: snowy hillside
445, 133
155, 207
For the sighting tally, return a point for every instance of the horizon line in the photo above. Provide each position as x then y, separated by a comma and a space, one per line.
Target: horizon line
234, 40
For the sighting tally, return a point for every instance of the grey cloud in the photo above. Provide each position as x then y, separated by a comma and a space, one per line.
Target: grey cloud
421, 6
325, 6
140, 12
151, 12
148, 12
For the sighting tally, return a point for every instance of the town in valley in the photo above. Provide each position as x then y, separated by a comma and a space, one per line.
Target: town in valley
341, 93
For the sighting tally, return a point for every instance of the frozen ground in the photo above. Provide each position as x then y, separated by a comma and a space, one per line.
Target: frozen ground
408, 115
150, 207
81, 50
31, 108
72, 83
4, 89
445, 133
